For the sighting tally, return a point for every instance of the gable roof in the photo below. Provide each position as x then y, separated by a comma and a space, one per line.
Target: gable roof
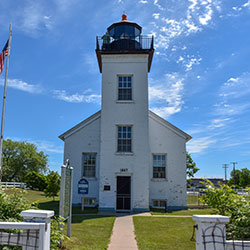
80, 125
151, 114
169, 125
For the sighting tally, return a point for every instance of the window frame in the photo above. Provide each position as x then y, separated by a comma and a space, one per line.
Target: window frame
119, 88
83, 166
159, 203
153, 166
117, 139
87, 202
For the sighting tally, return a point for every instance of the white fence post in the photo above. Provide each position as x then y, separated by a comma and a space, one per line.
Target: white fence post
40, 216
206, 225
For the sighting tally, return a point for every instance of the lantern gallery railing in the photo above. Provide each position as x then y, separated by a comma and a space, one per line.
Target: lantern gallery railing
124, 43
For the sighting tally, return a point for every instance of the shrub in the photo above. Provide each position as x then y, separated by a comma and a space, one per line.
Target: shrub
35, 181
227, 202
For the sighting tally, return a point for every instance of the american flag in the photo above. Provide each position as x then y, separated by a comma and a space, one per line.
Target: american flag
3, 55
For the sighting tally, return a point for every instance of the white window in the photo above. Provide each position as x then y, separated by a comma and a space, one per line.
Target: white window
124, 139
159, 203
89, 164
124, 88
159, 166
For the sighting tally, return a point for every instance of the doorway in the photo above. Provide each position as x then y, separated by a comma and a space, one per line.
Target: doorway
123, 193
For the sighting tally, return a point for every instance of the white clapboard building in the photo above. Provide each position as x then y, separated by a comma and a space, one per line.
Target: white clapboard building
132, 158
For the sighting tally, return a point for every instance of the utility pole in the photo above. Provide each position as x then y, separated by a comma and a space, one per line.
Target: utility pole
225, 166
234, 163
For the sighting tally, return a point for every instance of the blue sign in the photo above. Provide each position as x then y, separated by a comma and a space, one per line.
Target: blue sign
83, 186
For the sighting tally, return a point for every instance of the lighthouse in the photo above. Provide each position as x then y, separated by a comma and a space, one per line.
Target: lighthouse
132, 158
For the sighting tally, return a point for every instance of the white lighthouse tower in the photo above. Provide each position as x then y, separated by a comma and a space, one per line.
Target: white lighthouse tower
132, 158
124, 60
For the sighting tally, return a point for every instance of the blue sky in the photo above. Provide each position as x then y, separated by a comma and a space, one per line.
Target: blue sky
199, 80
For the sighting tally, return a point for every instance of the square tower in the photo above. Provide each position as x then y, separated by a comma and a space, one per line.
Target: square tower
124, 58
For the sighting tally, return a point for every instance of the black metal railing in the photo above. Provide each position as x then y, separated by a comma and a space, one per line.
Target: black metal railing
223, 237
124, 43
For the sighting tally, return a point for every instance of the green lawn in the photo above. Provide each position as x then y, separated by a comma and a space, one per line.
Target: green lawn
47, 203
183, 212
158, 233
89, 232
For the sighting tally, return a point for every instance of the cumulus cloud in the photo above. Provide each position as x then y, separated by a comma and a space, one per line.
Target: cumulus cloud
23, 86
166, 98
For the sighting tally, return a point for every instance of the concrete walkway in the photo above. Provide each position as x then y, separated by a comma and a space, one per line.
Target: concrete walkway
123, 236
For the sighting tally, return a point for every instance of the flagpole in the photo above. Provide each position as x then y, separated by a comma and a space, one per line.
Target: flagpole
4, 102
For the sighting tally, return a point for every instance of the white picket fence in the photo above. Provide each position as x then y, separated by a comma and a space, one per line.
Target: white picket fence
34, 234
12, 185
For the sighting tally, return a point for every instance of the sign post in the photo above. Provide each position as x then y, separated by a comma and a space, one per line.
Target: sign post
83, 188
65, 209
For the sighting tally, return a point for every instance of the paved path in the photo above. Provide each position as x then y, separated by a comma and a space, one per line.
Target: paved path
123, 237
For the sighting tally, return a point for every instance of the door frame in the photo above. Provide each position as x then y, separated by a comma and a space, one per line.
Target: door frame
124, 175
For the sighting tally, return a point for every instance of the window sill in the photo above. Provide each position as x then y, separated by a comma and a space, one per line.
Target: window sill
125, 101
159, 179
125, 153
91, 178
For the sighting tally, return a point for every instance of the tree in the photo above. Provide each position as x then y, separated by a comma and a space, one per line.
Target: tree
34, 180
191, 166
19, 158
240, 178
53, 184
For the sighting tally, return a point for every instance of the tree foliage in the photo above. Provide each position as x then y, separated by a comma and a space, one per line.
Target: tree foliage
227, 202
53, 184
191, 166
19, 158
240, 178
35, 181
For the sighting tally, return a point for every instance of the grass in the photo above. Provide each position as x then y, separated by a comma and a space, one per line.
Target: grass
183, 212
89, 232
154, 233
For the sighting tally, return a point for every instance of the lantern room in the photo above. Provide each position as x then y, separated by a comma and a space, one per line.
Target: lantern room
124, 37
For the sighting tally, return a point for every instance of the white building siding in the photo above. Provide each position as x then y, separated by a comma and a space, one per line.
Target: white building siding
163, 140
86, 139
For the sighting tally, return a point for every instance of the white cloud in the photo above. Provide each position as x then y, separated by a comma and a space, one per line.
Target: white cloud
23, 86
191, 62
33, 17
156, 15
198, 145
204, 19
143, 1
189, 17
166, 98
76, 98
218, 123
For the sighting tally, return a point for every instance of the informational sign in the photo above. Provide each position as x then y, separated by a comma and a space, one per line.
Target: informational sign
67, 193
83, 186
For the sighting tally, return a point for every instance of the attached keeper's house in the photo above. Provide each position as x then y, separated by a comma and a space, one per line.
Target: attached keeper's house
131, 157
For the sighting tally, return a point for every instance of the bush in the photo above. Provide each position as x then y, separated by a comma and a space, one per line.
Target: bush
35, 181
227, 202
11, 205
